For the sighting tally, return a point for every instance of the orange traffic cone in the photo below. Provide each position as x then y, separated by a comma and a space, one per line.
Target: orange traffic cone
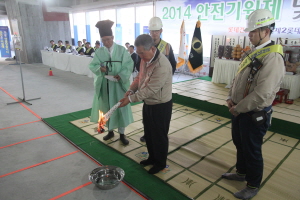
50, 72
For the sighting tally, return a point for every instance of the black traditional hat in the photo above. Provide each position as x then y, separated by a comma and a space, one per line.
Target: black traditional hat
105, 27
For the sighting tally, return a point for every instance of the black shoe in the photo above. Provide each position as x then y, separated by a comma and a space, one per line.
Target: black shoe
155, 169
142, 139
109, 135
146, 162
123, 139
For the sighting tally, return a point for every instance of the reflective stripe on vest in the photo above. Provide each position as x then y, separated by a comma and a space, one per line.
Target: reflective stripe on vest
162, 45
259, 53
87, 51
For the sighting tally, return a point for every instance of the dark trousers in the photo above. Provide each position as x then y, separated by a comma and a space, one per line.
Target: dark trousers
248, 139
156, 119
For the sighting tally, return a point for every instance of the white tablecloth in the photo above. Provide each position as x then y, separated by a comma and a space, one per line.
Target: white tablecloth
47, 57
80, 65
68, 62
225, 71
61, 61
292, 82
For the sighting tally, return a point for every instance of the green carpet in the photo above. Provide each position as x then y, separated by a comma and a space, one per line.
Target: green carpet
206, 78
136, 175
279, 126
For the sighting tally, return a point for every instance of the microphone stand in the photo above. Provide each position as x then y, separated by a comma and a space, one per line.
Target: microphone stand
22, 100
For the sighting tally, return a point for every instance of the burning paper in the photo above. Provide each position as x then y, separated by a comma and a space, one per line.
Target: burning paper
104, 118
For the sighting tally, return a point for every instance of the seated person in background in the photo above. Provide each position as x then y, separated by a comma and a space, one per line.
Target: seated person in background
68, 46
97, 45
83, 41
61, 46
53, 45
89, 50
80, 49
133, 56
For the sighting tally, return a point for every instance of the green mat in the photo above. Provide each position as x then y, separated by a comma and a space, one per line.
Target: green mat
151, 186
279, 126
206, 78
136, 176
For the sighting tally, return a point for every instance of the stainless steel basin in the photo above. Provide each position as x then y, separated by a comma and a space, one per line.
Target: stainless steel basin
107, 177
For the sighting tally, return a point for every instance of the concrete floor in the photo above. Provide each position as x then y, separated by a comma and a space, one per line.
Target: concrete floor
36, 162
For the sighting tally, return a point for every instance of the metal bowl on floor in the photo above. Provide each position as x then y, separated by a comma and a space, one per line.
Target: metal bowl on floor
107, 177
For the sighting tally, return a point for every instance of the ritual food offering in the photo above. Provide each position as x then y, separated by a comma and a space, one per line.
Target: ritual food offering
247, 48
291, 67
236, 52
227, 52
220, 51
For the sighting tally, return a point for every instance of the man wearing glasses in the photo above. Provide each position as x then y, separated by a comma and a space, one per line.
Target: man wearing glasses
155, 28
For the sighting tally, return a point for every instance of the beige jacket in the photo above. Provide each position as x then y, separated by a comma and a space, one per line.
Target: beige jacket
154, 82
264, 87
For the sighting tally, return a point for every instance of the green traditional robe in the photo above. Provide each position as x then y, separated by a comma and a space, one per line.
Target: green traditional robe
105, 99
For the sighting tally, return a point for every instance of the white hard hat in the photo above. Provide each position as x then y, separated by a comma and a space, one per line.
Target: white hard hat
155, 23
259, 18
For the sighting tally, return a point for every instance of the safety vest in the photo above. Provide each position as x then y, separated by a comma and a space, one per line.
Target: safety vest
87, 51
259, 53
162, 48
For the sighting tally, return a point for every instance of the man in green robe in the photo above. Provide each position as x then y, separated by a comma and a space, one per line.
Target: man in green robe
112, 66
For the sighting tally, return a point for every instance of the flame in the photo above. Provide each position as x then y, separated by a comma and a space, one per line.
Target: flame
101, 122
100, 115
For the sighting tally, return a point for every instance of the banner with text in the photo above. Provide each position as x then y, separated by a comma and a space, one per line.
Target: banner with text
4, 42
225, 18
